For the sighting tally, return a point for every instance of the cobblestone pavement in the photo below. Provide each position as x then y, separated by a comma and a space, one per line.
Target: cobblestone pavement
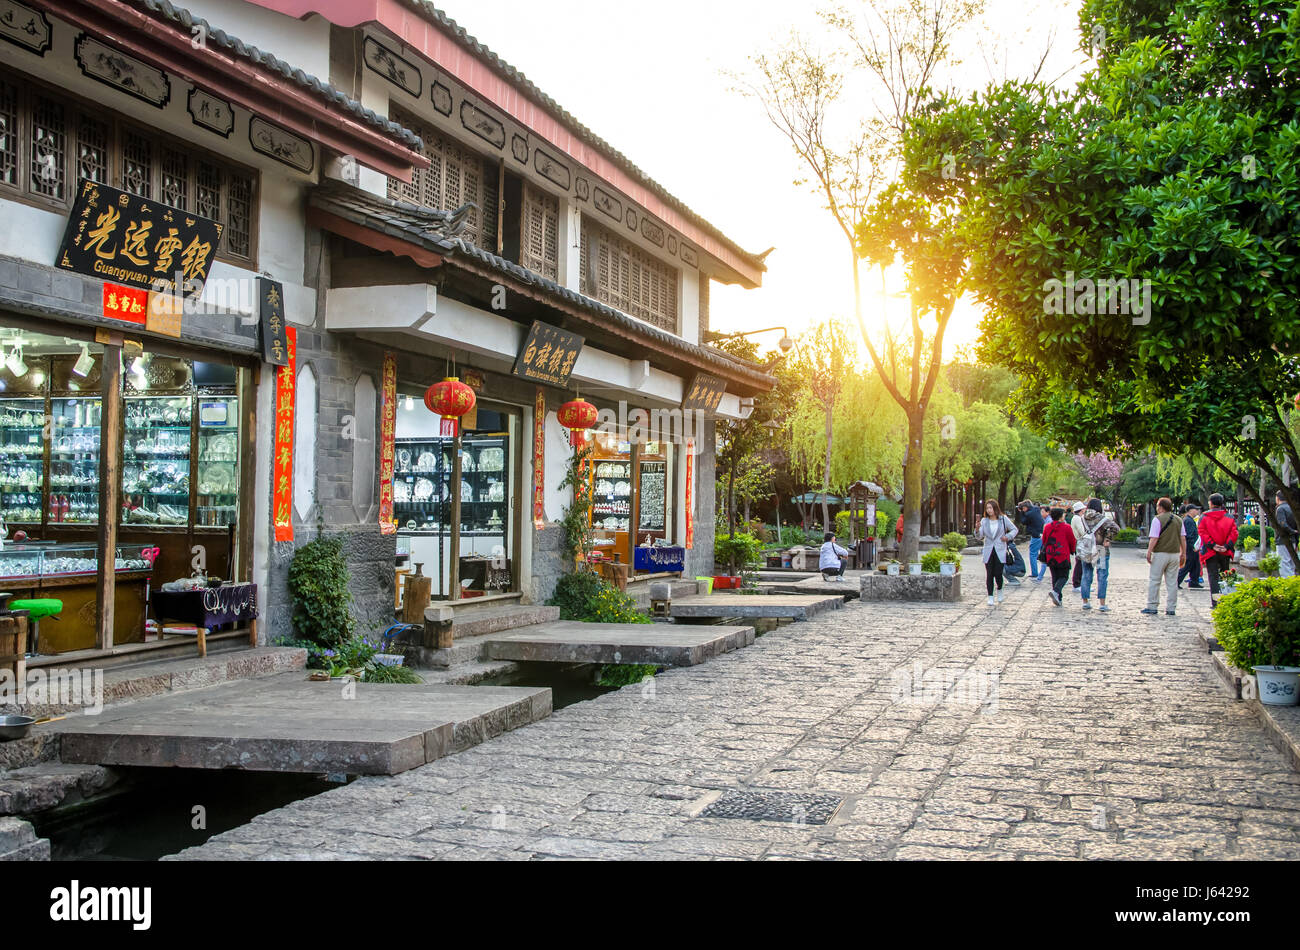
1073, 735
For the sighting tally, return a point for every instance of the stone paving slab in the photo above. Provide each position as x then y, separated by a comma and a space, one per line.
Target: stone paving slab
949, 730
290, 724
849, 588
661, 644
752, 606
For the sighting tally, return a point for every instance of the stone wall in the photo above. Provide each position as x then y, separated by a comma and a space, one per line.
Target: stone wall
699, 559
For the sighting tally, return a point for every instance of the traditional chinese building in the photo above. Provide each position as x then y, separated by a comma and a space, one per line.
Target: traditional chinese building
238, 242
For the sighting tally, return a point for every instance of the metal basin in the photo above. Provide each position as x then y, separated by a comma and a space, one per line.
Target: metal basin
15, 727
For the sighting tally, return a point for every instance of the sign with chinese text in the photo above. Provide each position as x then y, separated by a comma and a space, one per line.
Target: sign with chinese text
447, 427
387, 430
126, 303
282, 490
704, 392
271, 295
539, 460
548, 354
164, 314
474, 380
690, 493
118, 236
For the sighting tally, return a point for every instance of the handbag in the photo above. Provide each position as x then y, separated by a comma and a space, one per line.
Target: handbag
1009, 559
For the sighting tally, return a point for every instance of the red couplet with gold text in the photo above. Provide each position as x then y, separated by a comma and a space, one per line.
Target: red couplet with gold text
388, 429
539, 459
282, 493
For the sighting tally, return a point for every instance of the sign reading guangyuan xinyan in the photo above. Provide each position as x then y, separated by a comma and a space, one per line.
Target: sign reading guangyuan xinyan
704, 392
548, 354
121, 237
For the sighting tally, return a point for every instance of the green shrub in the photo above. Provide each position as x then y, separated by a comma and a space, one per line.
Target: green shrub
842, 520
1269, 565
610, 605
1126, 535
574, 592
1259, 623
954, 541
318, 585
744, 548
931, 559
1249, 543
1252, 531
625, 674
379, 673
792, 535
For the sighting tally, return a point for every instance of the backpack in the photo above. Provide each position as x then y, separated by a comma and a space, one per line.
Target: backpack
1086, 547
1054, 549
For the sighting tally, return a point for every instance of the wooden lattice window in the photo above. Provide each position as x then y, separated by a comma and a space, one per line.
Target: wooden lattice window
455, 176
622, 275
539, 233
48, 141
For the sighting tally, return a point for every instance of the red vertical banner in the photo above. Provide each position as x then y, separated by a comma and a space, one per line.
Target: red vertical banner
387, 432
539, 460
282, 486
690, 493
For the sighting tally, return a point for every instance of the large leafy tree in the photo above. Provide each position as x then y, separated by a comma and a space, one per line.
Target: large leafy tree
1174, 164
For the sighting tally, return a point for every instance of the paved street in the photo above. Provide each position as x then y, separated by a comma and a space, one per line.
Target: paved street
1077, 735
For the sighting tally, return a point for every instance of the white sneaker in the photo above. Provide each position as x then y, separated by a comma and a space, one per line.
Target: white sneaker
1000, 597
990, 600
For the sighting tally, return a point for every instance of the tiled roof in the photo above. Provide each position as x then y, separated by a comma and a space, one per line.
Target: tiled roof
168, 12
516, 77
428, 228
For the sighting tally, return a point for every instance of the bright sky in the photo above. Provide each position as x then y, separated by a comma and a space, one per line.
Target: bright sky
653, 82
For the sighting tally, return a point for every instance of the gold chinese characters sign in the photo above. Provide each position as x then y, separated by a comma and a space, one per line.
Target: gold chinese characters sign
704, 392
118, 236
548, 354
275, 345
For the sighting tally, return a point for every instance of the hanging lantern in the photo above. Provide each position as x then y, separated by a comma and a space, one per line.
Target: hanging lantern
577, 414
450, 398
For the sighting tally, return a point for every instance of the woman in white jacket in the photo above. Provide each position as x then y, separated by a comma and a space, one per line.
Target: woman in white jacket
995, 530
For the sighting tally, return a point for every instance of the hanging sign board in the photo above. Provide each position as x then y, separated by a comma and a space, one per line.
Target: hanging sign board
270, 294
282, 486
704, 393
126, 303
118, 236
387, 432
548, 354
539, 459
690, 493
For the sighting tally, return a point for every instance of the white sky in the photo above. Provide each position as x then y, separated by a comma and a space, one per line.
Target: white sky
652, 80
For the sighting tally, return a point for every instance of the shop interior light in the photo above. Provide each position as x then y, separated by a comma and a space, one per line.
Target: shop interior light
15, 362
84, 362
410, 404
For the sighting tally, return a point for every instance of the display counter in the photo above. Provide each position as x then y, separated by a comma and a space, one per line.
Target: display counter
70, 573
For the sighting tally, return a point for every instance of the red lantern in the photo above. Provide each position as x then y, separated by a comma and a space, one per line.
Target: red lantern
450, 398
577, 414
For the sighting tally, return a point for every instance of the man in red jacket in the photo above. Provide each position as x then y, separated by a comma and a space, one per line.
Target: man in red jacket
1218, 533
1058, 545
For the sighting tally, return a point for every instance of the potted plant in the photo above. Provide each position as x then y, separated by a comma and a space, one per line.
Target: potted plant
1228, 581
1276, 625
1269, 565
914, 568
891, 567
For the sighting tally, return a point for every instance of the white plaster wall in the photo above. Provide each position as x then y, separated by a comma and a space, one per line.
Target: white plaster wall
688, 296
29, 233
558, 452
301, 43
570, 231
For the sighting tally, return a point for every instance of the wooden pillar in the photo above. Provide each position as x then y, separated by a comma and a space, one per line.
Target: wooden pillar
453, 566
110, 485
249, 378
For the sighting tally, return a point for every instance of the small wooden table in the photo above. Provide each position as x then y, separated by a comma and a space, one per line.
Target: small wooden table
208, 609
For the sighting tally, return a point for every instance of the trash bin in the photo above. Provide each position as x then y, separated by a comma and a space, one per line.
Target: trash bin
706, 584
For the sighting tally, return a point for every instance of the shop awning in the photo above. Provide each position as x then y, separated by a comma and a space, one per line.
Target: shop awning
430, 238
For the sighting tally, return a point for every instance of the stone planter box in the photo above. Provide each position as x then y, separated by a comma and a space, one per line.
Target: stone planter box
919, 587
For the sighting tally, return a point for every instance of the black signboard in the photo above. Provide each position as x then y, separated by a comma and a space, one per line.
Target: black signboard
275, 345
123, 238
548, 354
704, 392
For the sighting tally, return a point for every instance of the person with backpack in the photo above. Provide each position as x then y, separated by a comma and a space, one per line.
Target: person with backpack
1166, 553
1093, 549
1031, 516
1218, 533
1192, 571
1058, 545
996, 531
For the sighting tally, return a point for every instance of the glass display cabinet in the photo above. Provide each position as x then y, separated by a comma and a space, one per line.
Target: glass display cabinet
156, 452
74, 460
611, 505
218, 461
22, 459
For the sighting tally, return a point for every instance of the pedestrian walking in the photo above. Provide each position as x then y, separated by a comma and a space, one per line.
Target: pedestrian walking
1287, 530
995, 530
831, 562
1192, 569
1031, 516
1166, 553
1080, 528
1218, 533
1058, 545
1101, 530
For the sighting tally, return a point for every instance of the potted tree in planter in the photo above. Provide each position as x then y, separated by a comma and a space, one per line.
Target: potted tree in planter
737, 551
1277, 625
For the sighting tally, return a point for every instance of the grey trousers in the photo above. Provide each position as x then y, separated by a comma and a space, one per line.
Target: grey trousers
1163, 567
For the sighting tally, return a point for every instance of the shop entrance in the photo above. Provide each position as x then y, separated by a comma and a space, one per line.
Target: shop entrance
631, 495
489, 494
177, 501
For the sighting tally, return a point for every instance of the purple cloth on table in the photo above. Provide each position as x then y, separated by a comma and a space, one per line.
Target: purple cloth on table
209, 607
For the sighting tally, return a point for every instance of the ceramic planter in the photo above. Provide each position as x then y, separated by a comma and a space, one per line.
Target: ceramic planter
892, 570
914, 568
947, 568
1278, 685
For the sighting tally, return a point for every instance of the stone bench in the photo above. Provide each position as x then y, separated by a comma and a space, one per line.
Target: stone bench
939, 587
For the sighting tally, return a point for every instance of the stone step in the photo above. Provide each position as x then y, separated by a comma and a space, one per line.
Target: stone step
659, 644
35, 788
640, 591
18, 842
469, 630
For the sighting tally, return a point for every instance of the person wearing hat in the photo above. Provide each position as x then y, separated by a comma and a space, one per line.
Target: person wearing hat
1080, 528
1192, 570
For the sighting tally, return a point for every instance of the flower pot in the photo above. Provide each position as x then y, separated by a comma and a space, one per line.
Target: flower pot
914, 568
892, 570
1278, 685
705, 585
947, 568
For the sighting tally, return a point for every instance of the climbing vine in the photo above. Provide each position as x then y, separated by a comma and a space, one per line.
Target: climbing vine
577, 517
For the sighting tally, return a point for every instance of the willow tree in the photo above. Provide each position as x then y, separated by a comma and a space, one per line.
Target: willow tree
899, 48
